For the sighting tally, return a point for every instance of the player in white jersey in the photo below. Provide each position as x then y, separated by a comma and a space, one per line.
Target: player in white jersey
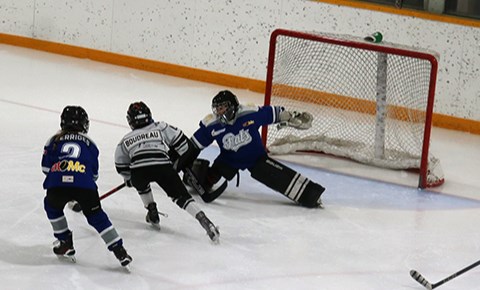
142, 157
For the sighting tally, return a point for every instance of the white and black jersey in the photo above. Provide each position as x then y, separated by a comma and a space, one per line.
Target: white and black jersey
149, 146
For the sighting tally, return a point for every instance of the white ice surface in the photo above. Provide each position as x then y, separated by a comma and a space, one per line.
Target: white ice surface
368, 237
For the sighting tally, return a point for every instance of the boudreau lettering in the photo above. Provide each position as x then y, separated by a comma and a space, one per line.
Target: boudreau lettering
142, 137
235, 142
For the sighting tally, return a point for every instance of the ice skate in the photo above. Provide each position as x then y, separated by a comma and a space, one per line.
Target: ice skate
64, 249
152, 215
319, 204
212, 230
122, 256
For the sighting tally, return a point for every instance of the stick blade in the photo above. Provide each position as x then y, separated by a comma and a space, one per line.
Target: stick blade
420, 279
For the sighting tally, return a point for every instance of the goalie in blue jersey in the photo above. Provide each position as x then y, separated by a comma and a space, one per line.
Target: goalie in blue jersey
235, 128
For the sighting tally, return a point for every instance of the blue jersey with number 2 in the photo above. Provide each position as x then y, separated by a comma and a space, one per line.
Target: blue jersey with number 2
70, 161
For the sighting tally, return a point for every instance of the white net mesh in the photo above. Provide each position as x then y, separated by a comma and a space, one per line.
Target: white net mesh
367, 105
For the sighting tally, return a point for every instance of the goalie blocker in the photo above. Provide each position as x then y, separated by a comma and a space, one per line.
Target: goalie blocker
269, 172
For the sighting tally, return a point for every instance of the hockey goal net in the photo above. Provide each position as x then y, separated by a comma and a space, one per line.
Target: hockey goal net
372, 103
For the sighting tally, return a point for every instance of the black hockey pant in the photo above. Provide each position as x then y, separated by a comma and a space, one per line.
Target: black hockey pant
166, 177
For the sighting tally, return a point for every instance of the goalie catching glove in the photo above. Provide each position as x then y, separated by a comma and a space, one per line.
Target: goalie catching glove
297, 120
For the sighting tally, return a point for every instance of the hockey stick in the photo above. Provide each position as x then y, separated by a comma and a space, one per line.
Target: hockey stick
75, 206
112, 191
420, 279
204, 194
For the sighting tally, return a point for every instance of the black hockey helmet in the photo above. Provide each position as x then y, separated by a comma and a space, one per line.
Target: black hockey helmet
74, 118
139, 115
225, 106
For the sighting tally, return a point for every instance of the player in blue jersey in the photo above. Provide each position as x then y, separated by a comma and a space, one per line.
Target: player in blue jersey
235, 128
70, 163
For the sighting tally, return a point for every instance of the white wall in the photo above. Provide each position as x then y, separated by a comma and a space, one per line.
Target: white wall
232, 36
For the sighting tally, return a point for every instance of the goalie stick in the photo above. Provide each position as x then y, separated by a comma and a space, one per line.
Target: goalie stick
420, 279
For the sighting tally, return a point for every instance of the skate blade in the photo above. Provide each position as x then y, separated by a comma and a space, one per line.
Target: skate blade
67, 258
155, 226
216, 238
127, 268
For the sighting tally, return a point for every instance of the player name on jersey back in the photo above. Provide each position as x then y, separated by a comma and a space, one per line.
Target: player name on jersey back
75, 137
147, 136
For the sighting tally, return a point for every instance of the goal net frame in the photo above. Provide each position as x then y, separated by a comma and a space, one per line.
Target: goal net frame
382, 50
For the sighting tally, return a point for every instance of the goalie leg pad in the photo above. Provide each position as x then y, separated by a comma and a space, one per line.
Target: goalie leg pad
207, 181
278, 177
200, 169
217, 179
311, 195
223, 170
215, 191
209, 176
287, 181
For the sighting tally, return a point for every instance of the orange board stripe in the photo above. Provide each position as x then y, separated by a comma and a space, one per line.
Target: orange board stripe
439, 120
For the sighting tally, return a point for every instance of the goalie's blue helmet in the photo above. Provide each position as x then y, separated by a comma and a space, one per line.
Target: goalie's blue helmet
225, 106
74, 119
139, 115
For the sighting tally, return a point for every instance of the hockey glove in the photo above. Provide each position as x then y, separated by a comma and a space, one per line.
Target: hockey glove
297, 120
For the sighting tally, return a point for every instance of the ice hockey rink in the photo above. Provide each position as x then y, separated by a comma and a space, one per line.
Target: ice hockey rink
370, 234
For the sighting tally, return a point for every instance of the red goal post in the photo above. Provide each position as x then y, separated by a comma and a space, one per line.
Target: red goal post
372, 103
